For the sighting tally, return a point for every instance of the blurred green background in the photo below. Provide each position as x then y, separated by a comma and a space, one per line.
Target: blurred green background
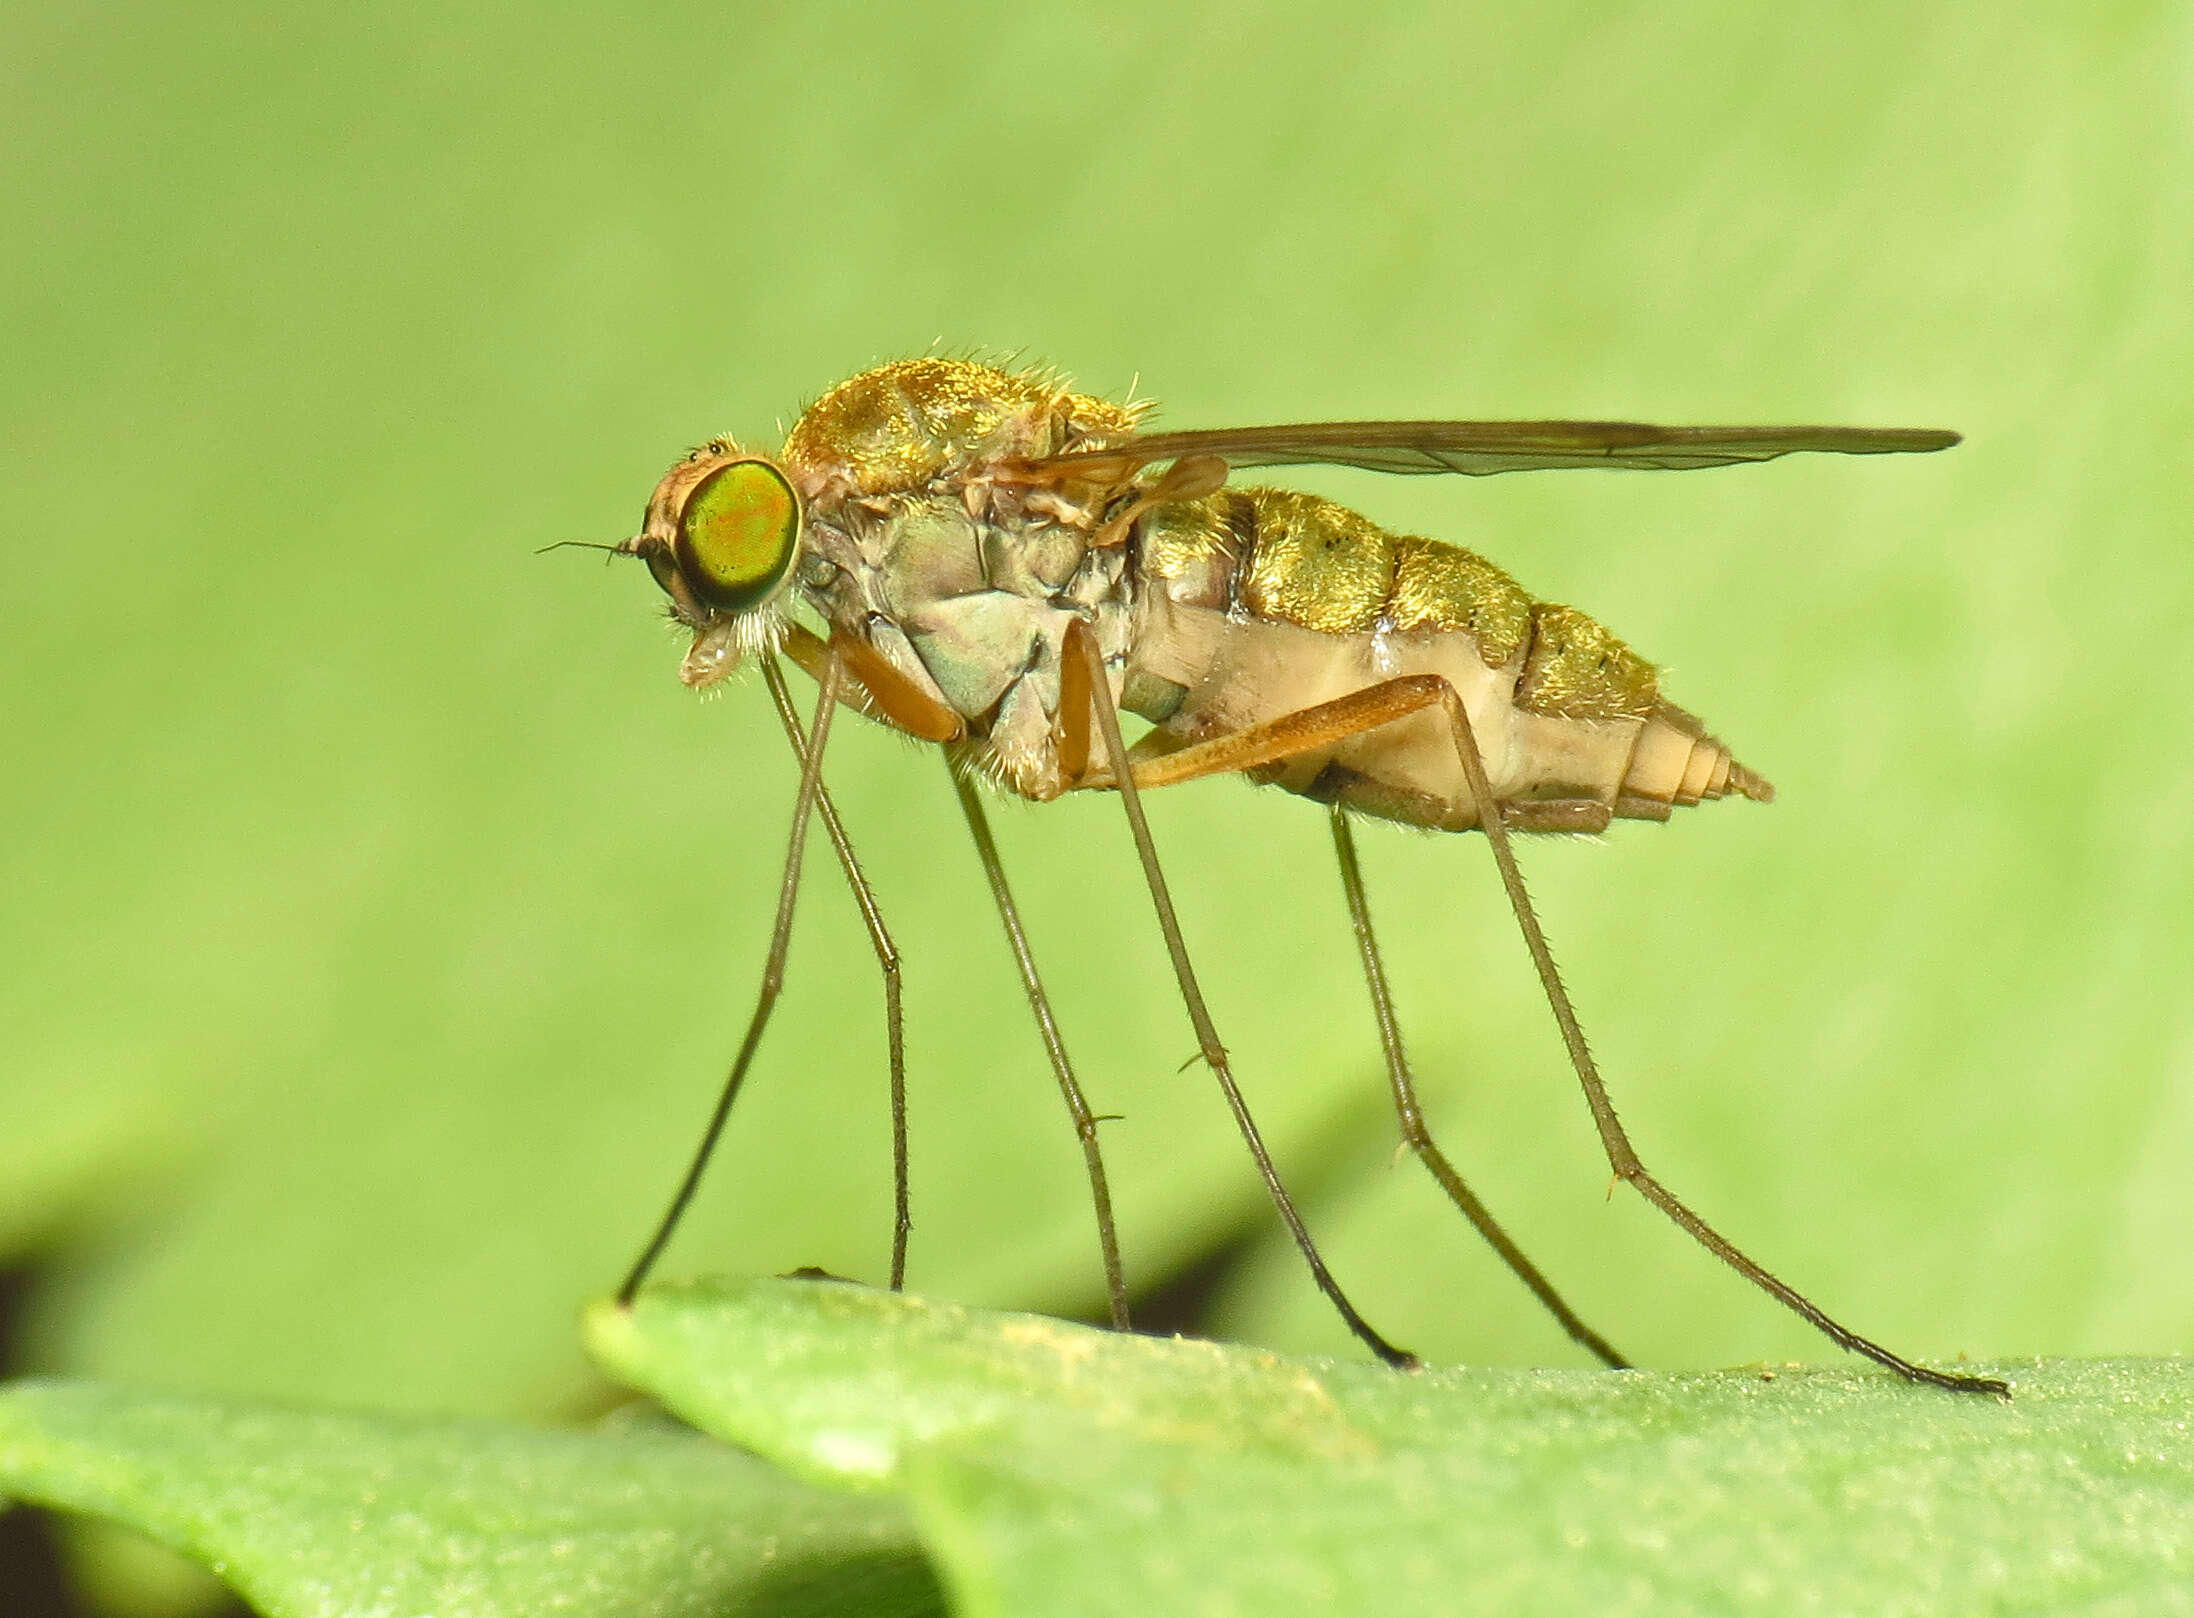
379, 910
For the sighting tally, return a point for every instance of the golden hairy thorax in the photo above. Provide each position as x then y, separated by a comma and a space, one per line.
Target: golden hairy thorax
903, 426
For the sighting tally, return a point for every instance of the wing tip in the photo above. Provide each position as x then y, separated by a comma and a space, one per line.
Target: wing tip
1926, 440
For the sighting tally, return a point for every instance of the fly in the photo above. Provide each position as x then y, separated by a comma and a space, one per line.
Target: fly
1001, 566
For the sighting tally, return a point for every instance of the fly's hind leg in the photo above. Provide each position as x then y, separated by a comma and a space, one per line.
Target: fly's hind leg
1621, 1156
1415, 1133
1317, 727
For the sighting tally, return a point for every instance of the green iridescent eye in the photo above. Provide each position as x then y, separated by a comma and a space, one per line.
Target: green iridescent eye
738, 535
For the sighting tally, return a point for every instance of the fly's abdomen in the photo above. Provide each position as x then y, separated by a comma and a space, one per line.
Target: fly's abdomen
1261, 602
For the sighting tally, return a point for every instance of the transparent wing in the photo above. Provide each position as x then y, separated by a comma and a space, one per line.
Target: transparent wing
1477, 448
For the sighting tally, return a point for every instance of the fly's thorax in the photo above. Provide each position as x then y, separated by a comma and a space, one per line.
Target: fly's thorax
972, 611
915, 423
962, 576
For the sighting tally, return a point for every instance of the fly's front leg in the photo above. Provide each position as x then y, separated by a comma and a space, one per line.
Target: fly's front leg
881, 692
1081, 645
887, 963
875, 687
773, 978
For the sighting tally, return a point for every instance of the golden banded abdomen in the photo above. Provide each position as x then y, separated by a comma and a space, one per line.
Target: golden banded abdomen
1261, 602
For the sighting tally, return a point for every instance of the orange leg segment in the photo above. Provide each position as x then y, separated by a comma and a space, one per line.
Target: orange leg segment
872, 686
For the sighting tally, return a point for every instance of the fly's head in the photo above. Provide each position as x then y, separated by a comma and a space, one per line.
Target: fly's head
722, 535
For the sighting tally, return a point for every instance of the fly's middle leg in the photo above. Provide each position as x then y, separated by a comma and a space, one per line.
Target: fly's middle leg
1081, 645
1032, 987
1312, 730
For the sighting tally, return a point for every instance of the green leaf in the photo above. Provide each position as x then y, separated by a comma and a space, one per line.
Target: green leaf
320, 1515
1055, 1469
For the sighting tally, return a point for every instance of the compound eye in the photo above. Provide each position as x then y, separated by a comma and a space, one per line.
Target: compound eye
738, 535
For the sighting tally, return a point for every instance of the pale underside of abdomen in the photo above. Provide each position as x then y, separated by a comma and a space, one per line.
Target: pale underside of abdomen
1550, 773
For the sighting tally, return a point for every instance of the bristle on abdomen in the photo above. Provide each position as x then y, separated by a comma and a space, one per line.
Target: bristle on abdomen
1677, 763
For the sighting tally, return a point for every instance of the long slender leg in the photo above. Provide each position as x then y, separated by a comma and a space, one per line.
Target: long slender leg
773, 978
1621, 1156
1085, 1121
1415, 1134
1318, 726
1082, 644
887, 962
